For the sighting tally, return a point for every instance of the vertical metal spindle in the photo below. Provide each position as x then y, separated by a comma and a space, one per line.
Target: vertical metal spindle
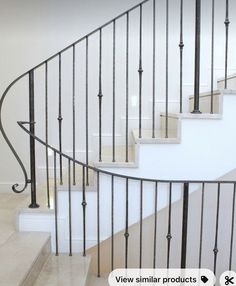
86, 112
84, 204
216, 250
185, 225
126, 222
33, 203
55, 202
212, 53
98, 224
154, 71
155, 227
232, 228
73, 112
201, 226
114, 95
141, 225
167, 70
69, 205
112, 223
100, 95
140, 70
181, 47
227, 22
60, 122
197, 57
46, 133
169, 236
127, 92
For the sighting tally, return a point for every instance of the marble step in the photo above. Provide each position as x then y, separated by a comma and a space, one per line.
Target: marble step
95, 281
22, 256
64, 270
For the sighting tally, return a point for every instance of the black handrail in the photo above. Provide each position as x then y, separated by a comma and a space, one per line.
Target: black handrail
98, 170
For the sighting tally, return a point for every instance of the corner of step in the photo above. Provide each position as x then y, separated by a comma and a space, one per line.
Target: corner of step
65, 268
23, 256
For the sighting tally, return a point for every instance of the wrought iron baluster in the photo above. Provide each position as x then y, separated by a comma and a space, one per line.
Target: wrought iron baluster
46, 133
84, 204
114, 95
69, 205
201, 225
155, 226
126, 222
181, 47
197, 57
154, 71
55, 201
141, 226
167, 71
112, 223
33, 203
185, 225
127, 92
232, 228
60, 122
98, 224
140, 70
216, 250
227, 22
100, 95
212, 53
73, 112
87, 112
169, 236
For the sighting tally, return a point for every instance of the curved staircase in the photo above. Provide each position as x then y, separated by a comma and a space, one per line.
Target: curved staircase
124, 166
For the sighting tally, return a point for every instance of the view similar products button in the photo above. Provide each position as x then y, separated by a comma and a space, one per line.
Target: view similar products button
164, 277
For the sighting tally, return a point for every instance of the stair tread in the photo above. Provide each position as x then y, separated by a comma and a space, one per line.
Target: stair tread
18, 254
189, 115
95, 281
64, 270
160, 136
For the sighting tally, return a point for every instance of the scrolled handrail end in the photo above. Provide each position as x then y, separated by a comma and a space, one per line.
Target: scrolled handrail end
15, 186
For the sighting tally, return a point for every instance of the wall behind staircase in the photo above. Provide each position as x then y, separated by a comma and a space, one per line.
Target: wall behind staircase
32, 31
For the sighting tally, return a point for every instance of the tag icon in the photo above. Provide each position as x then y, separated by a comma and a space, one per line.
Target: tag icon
204, 279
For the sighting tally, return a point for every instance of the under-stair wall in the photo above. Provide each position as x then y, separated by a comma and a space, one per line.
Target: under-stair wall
209, 226
194, 227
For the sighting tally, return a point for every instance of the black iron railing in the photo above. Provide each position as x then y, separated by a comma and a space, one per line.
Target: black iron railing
139, 12
198, 238
94, 44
